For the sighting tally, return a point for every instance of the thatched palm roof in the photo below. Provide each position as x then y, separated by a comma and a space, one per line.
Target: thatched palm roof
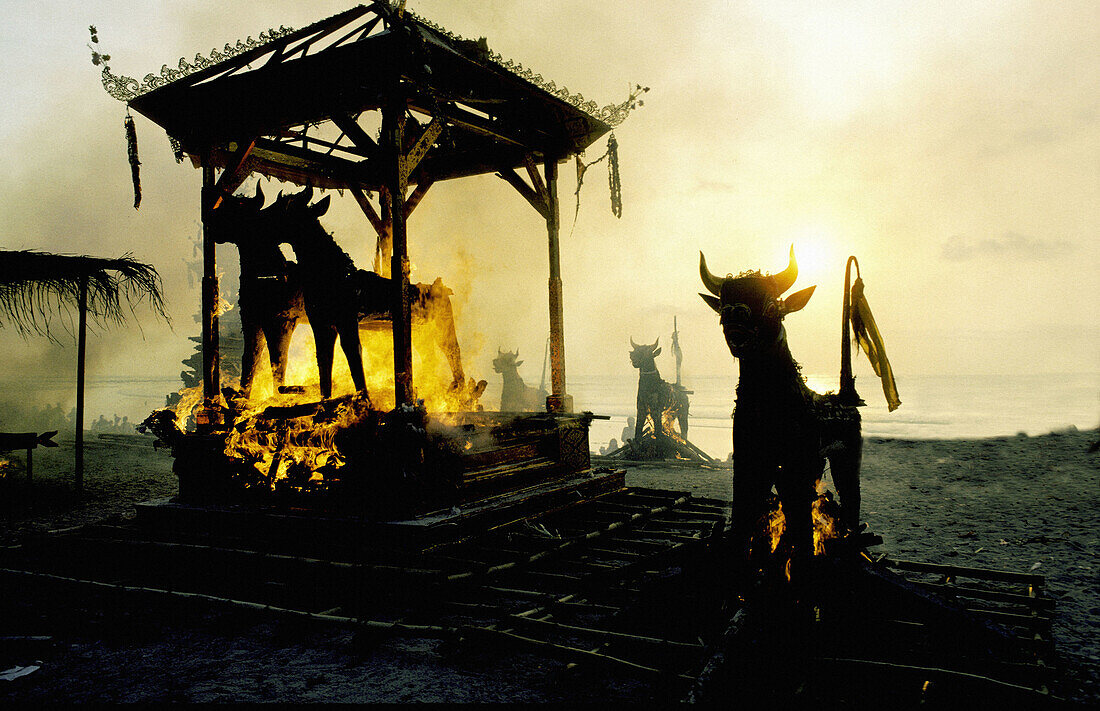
35, 286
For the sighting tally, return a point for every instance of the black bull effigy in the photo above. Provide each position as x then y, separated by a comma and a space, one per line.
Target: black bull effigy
323, 289
782, 431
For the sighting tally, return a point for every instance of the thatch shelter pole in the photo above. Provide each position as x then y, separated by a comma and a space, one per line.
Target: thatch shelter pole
81, 348
558, 401
393, 138
211, 377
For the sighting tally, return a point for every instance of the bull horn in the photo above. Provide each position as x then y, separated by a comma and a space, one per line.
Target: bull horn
785, 279
713, 283
656, 343
632, 343
258, 200
499, 352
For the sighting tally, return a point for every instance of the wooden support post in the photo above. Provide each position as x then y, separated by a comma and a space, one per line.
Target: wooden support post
558, 401
81, 349
30, 464
211, 377
393, 129
383, 253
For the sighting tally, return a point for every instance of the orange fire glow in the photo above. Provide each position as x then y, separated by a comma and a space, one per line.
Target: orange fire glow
277, 447
824, 525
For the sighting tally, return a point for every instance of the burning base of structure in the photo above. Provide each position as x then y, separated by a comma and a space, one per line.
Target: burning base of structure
343, 455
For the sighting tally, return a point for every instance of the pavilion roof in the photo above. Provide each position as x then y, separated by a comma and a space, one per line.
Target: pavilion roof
306, 97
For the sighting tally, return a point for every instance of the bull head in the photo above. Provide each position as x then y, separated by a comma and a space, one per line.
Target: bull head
506, 360
751, 307
300, 202
643, 356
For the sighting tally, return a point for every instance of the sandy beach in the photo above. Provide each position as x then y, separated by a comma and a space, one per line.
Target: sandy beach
1013, 503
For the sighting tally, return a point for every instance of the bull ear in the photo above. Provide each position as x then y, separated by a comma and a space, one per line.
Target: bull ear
796, 301
519, 363
321, 206
657, 352
712, 301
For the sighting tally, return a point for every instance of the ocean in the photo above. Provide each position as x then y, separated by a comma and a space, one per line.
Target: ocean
933, 407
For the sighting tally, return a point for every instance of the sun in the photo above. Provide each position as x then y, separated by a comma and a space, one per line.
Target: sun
816, 253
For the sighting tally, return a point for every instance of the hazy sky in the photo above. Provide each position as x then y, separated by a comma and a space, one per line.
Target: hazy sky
954, 147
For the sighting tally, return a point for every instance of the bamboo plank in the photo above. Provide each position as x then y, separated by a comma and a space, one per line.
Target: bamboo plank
665, 644
958, 570
1044, 603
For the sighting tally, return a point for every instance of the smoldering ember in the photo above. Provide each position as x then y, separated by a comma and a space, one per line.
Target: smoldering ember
392, 521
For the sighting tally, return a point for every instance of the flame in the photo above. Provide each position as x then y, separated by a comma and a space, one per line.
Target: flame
306, 444
777, 526
284, 448
223, 306
824, 524
190, 400
293, 447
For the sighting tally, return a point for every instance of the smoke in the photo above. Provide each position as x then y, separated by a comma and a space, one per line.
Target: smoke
981, 130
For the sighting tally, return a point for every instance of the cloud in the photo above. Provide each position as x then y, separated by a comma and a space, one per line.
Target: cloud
1011, 245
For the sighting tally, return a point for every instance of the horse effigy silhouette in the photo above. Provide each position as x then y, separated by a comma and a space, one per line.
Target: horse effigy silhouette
324, 289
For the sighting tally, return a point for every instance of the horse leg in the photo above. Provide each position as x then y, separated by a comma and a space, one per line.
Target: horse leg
796, 486
844, 461
253, 346
353, 351
324, 341
752, 483
278, 347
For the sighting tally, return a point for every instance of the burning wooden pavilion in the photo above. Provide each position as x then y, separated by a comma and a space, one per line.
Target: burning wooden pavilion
301, 106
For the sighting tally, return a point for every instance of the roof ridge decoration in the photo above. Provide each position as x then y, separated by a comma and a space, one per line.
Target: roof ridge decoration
124, 88
612, 114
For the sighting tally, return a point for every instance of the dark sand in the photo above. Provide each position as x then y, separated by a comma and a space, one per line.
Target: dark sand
1015, 503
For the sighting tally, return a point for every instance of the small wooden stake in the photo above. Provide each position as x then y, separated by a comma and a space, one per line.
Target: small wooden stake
81, 344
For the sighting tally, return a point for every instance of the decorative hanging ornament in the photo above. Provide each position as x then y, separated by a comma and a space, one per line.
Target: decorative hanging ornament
132, 154
613, 176
612, 154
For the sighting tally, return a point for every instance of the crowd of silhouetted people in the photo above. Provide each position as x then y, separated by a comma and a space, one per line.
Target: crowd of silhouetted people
49, 418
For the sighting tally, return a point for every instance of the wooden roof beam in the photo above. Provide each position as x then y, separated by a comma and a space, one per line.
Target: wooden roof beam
418, 194
476, 124
420, 148
353, 149
367, 208
233, 174
352, 129
531, 195
245, 58
536, 178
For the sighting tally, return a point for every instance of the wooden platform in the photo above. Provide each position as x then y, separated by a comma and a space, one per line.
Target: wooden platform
397, 466
305, 531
